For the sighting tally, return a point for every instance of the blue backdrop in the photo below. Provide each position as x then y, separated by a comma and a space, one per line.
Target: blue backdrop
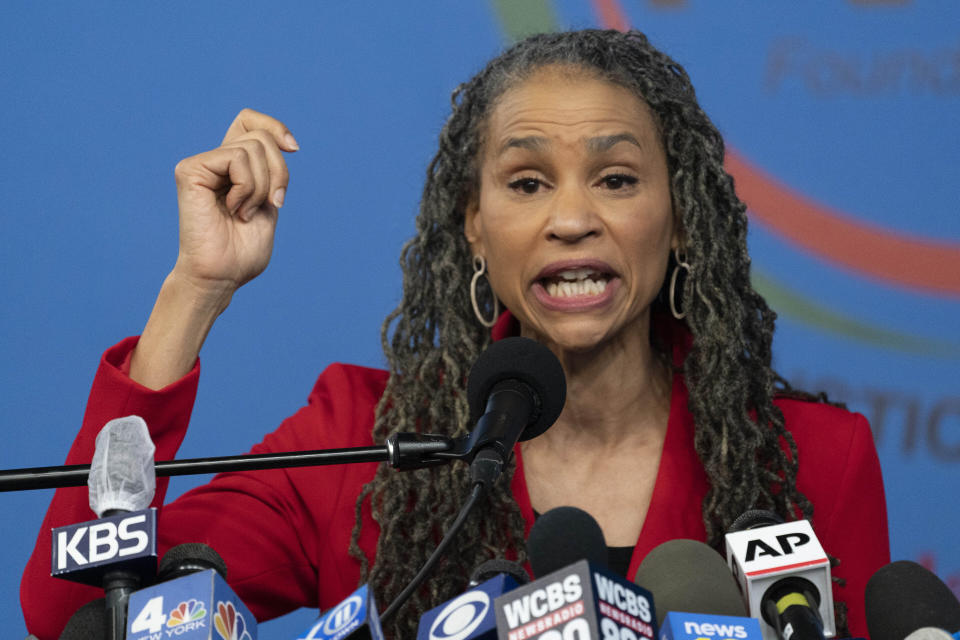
844, 111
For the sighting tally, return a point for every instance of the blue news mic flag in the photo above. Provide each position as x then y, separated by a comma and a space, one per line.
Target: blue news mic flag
697, 626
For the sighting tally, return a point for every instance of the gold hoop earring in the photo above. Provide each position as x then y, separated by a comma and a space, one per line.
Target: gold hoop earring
479, 269
681, 263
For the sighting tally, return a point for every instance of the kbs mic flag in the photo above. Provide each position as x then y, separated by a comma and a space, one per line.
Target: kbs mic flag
578, 601
196, 606
469, 615
784, 574
355, 618
84, 552
700, 626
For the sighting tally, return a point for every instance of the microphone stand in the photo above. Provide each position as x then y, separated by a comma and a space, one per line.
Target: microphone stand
404, 451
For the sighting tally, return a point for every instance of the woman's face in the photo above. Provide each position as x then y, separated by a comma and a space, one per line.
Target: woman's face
573, 214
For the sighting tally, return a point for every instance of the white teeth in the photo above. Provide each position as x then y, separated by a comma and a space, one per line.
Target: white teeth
576, 274
577, 288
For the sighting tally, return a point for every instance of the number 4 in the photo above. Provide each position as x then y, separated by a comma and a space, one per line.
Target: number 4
150, 618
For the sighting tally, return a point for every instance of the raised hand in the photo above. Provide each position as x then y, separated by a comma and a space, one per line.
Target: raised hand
229, 199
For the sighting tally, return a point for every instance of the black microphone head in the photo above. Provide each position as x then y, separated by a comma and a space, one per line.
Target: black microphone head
689, 576
496, 566
89, 621
563, 536
532, 364
754, 519
190, 557
903, 597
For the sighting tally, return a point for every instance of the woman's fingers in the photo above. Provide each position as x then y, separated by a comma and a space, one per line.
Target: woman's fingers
269, 169
248, 173
249, 120
247, 195
202, 177
228, 200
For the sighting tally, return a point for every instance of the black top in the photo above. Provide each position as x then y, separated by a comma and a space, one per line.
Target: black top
618, 560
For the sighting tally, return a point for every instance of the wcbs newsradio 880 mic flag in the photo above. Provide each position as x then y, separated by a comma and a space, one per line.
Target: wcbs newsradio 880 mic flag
573, 596
578, 601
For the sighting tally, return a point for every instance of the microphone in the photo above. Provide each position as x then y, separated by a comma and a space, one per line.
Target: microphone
193, 601
784, 574
563, 536
520, 386
516, 390
903, 597
578, 600
497, 566
120, 550
471, 614
696, 595
89, 621
689, 576
187, 558
355, 618
931, 633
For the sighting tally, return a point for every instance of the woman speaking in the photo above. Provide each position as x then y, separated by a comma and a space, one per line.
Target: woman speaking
578, 197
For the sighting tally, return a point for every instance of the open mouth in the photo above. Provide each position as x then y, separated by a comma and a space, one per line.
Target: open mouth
569, 283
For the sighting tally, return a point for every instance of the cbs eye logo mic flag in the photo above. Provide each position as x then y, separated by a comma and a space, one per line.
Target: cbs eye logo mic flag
469, 616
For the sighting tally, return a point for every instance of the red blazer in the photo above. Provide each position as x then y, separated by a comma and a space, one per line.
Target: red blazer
285, 534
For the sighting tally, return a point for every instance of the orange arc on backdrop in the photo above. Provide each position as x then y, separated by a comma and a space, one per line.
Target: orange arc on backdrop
897, 258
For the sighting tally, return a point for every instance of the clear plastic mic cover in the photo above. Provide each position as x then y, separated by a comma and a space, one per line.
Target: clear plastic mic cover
122, 475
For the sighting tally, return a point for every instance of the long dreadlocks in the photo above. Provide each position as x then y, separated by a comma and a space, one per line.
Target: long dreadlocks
432, 337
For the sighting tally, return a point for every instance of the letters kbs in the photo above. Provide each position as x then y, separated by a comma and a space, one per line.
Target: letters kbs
89, 544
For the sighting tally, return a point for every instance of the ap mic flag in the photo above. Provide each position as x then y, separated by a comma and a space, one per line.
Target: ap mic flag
784, 574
